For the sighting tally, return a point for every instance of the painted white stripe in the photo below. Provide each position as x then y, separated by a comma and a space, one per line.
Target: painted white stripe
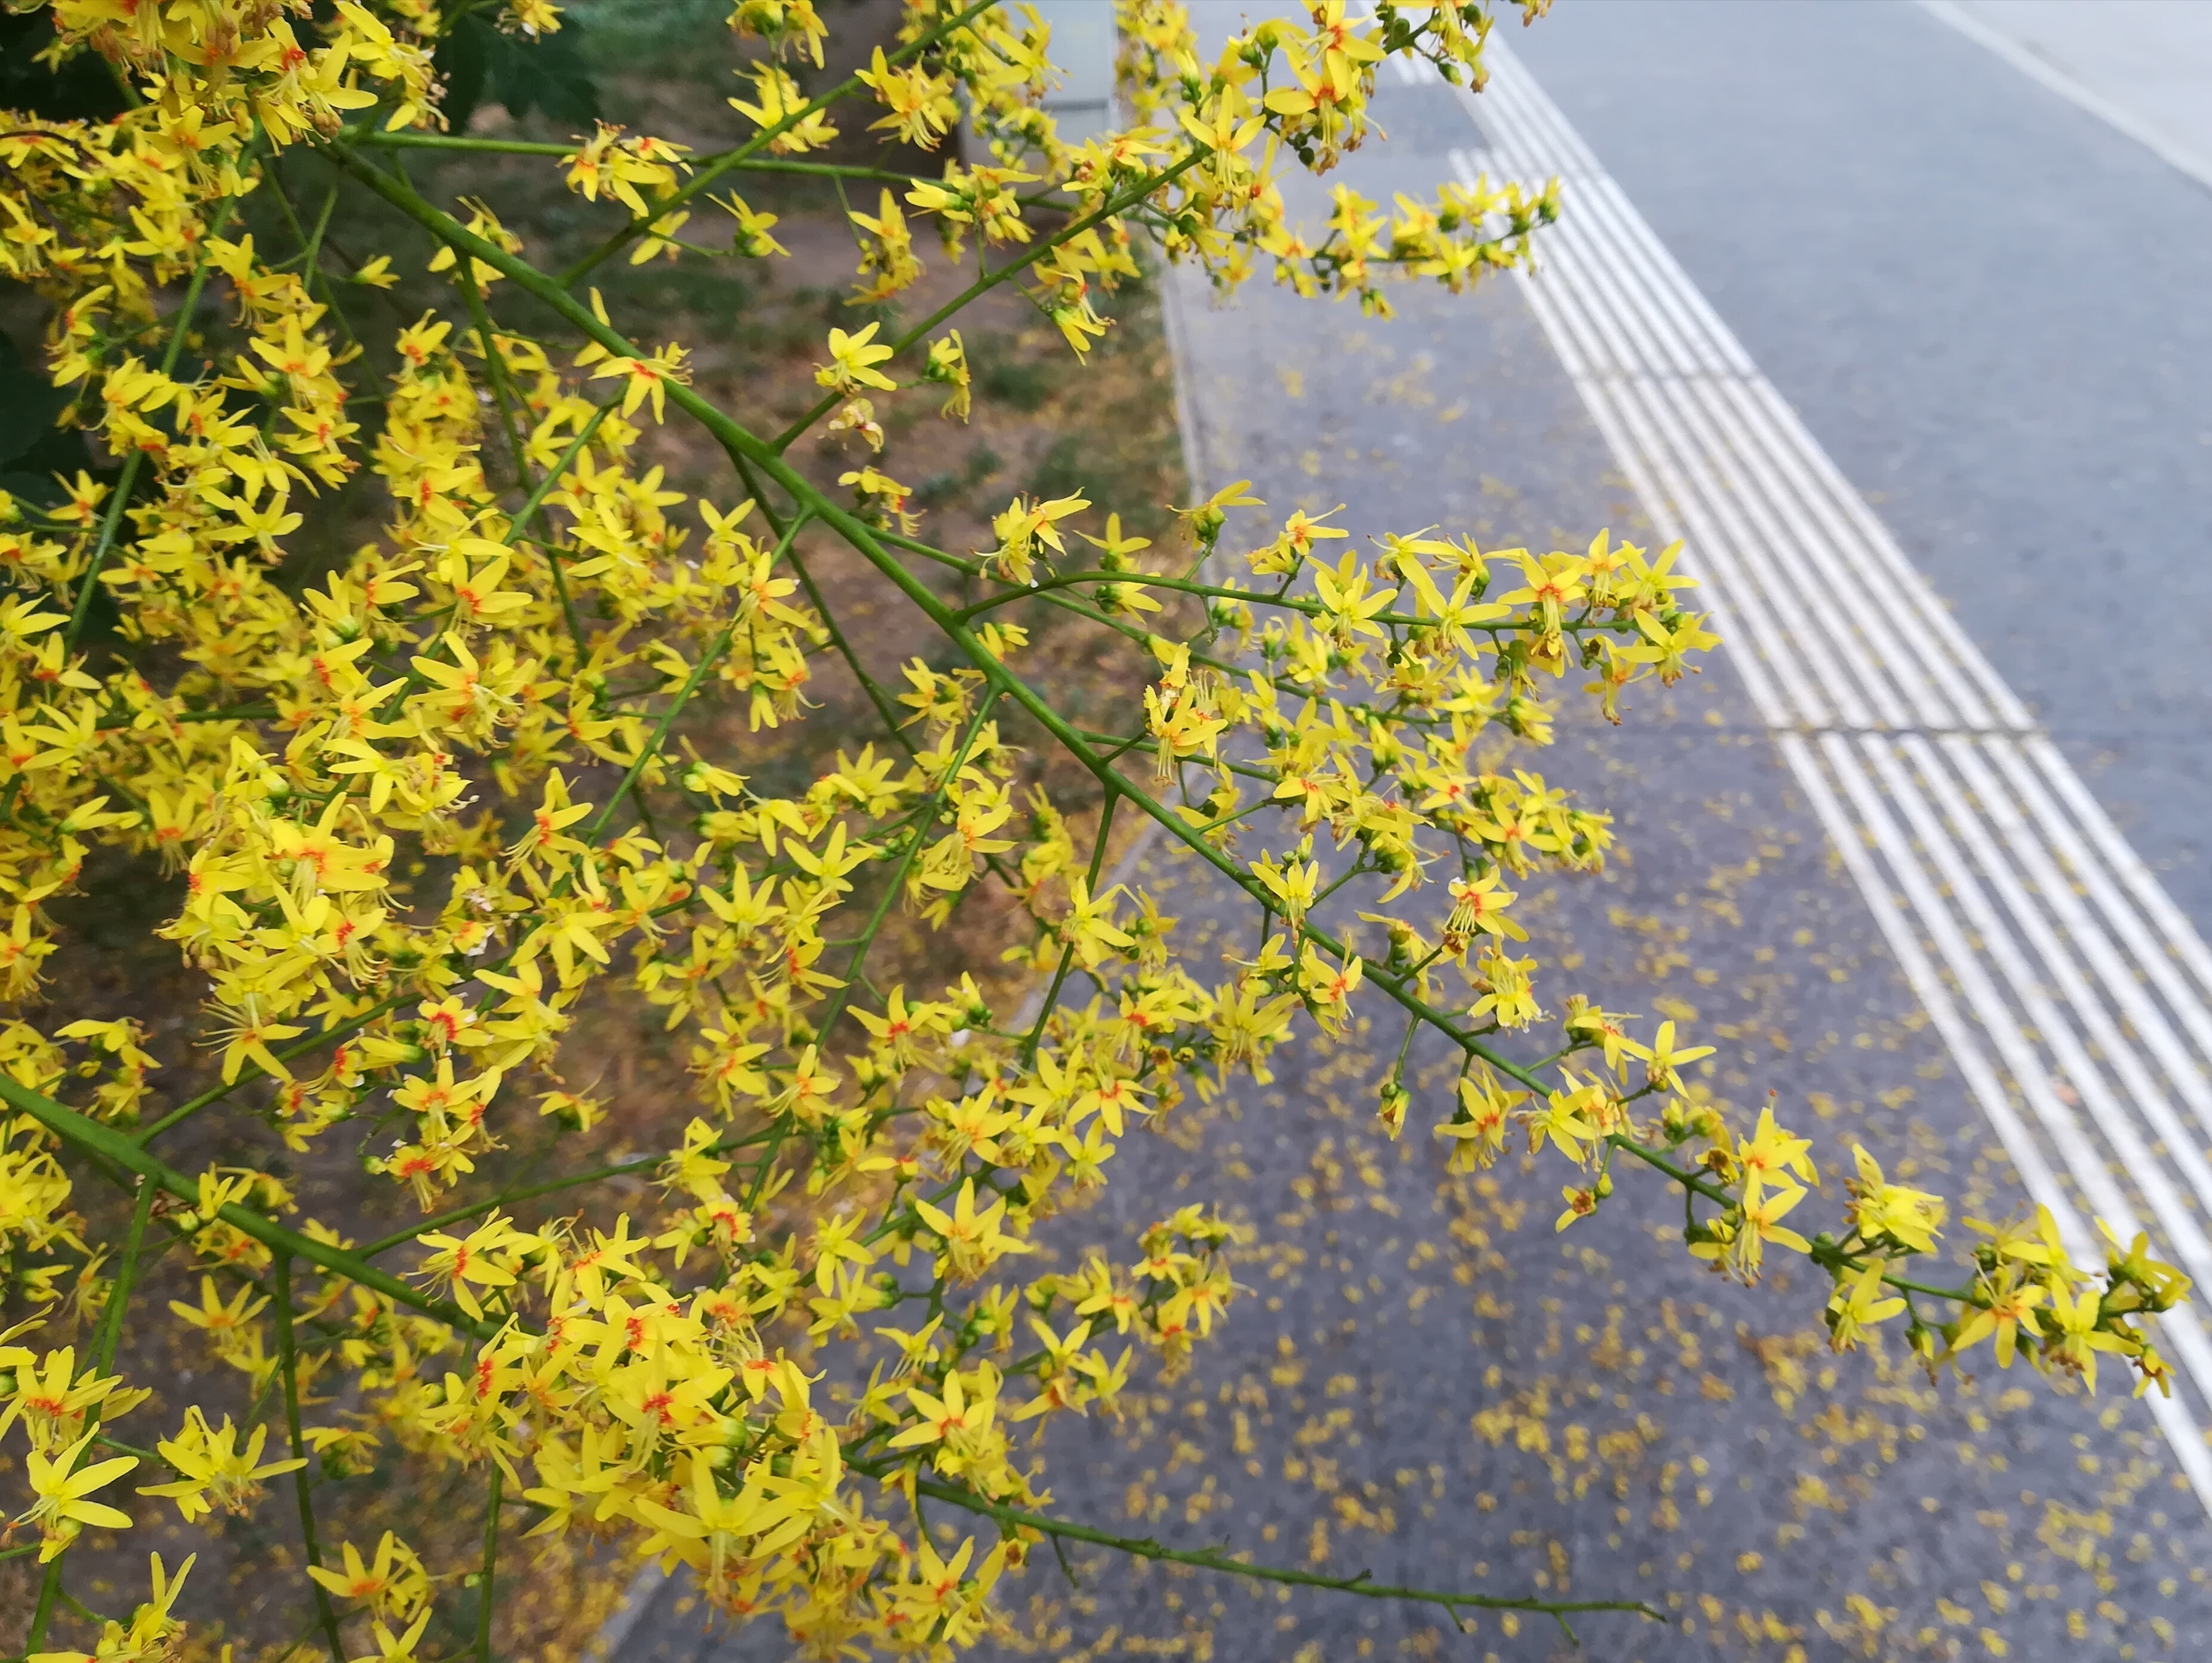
1722, 600
2179, 938
1875, 553
1897, 916
2058, 974
2115, 980
2093, 870
637, 1600
2108, 1113
1929, 672
2084, 1163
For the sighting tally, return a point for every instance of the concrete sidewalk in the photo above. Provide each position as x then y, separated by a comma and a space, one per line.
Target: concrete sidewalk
2144, 66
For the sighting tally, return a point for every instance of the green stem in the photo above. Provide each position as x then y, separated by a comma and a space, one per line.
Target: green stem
706, 662
869, 684
126, 1278
525, 147
50, 1590
111, 524
530, 1192
518, 526
1312, 609
214, 1095
1014, 268
503, 395
487, 1577
111, 1336
744, 445
1068, 951
303, 1486
843, 997
311, 257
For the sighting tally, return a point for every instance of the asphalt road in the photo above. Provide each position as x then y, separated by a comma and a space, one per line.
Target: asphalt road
1985, 305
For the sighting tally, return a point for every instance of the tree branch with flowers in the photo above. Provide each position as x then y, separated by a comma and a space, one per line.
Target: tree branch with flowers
435, 804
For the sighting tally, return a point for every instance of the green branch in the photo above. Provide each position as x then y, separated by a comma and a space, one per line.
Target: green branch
1312, 609
746, 448
1217, 1559
105, 1143
1014, 268
708, 661
111, 1336
503, 394
215, 1094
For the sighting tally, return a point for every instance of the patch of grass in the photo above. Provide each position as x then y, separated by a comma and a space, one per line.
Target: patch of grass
1003, 376
717, 302
953, 485
1062, 471
663, 33
835, 304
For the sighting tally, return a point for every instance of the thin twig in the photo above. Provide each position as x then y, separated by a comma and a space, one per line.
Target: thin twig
1145, 1547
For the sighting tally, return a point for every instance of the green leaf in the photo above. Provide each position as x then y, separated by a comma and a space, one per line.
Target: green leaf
33, 448
463, 59
83, 88
550, 75
28, 404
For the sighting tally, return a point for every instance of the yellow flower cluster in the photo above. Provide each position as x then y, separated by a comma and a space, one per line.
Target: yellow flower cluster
429, 801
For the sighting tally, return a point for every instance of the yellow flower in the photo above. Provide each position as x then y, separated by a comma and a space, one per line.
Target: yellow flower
393, 1584
1738, 1241
215, 1472
946, 1418
395, 1647
1882, 1210
2010, 1311
779, 101
1770, 1153
2073, 1333
51, 1399
1564, 1122
456, 1264
853, 361
973, 1241
1861, 1302
648, 378
61, 1509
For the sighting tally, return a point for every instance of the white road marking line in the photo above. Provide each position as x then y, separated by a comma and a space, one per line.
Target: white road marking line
2113, 852
637, 1600
1921, 905
2112, 969
2049, 959
1895, 916
1944, 848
